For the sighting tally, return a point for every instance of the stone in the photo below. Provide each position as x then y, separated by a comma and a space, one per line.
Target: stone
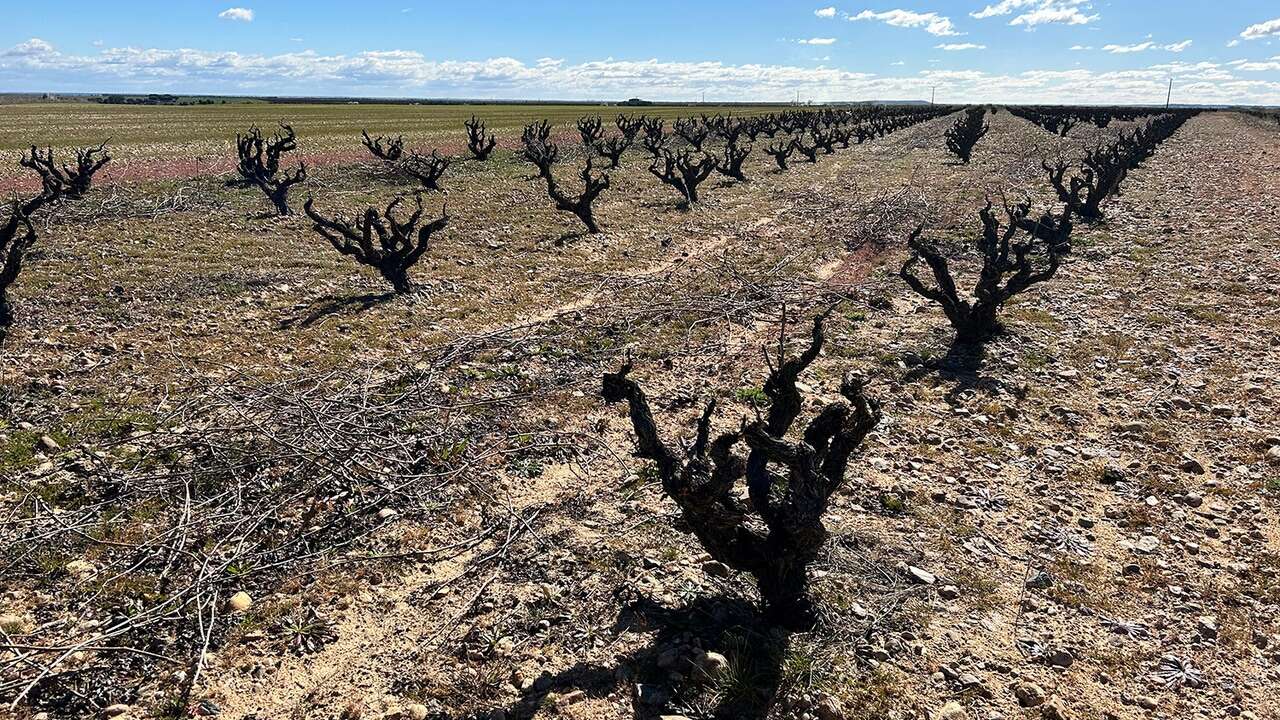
652, 694
1147, 544
1054, 709
712, 663
13, 624
924, 577
951, 711
1146, 702
715, 568
948, 592
80, 568
387, 513
1112, 475
1207, 626
240, 602
1223, 411
49, 445
829, 708
115, 710
1061, 659
1029, 695
416, 711
572, 698
668, 658
1273, 455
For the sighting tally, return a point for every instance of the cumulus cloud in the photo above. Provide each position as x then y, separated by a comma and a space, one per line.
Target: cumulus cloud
36, 66
30, 48
826, 12
1270, 28
932, 22
238, 14
1032, 13
960, 46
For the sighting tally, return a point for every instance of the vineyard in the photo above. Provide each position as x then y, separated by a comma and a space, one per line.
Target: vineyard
489, 412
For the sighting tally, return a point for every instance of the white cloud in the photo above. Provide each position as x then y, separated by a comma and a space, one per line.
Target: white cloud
818, 41
30, 48
1233, 43
35, 66
960, 46
238, 14
1039, 12
1259, 66
1081, 47
932, 22
1147, 45
1270, 28
826, 12
1122, 49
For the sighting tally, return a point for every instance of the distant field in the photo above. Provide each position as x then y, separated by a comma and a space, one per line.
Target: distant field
165, 126
155, 142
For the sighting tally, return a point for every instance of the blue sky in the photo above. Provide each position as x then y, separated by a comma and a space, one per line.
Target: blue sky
970, 50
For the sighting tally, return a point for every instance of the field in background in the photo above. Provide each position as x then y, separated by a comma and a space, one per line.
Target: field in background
168, 130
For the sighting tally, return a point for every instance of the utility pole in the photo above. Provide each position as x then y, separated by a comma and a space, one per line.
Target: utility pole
933, 95
1169, 99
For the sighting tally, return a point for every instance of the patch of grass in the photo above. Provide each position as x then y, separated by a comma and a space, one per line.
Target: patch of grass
18, 452
873, 697
753, 396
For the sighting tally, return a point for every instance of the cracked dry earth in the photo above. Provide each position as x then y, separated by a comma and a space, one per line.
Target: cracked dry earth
1080, 523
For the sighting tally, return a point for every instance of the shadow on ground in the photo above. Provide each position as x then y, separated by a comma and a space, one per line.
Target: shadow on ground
745, 688
334, 305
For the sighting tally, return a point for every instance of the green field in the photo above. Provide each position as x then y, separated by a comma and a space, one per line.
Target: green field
166, 129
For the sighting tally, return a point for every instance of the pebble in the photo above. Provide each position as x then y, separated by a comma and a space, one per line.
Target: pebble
12, 624
1029, 695
713, 663
952, 711
240, 602
80, 568
924, 577
1054, 709
715, 568
1061, 659
115, 710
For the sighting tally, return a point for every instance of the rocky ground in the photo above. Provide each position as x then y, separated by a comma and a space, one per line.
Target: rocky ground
1080, 523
